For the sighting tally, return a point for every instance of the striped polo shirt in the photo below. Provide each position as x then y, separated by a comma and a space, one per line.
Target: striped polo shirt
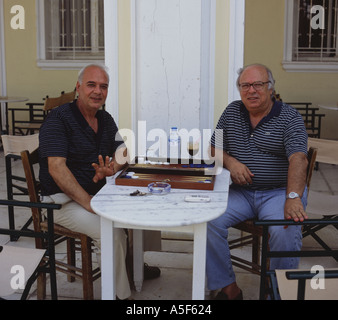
65, 133
264, 150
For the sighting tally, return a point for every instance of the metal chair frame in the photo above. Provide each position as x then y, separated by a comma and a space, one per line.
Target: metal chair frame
49, 266
12, 147
266, 253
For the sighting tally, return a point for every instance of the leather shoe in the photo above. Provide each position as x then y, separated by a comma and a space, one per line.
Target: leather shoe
223, 296
151, 272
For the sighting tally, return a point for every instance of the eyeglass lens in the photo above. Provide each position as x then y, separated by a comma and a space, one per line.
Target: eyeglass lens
256, 85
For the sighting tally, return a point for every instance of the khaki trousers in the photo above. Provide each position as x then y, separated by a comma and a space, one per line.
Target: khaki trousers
76, 218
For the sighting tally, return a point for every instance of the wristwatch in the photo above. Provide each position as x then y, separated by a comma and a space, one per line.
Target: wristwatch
292, 195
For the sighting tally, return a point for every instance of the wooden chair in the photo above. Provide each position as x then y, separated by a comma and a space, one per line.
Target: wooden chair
254, 233
312, 119
38, 113
85, 272
33, 261
51, 103
16, 184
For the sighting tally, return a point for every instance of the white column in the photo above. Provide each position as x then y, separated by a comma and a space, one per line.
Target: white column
3, 75
208, 41
112, 56
236, 45
138, 253
199, 264
107, 264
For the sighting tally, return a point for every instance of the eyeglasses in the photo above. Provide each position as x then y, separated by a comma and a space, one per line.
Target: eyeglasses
258, 85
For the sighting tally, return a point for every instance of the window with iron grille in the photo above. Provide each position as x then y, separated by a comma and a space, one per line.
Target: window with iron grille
311, 42
316, 37
72, 30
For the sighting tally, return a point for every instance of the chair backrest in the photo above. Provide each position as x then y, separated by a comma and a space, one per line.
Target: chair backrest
51, 103
277, 96
28, 161
15, 144
23, 259
312, 155
10, 256
327, 150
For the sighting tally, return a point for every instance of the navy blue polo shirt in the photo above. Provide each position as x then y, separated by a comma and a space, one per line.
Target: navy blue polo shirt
65, 133
266, 149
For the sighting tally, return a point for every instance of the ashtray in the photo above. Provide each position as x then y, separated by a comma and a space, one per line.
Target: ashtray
159, 188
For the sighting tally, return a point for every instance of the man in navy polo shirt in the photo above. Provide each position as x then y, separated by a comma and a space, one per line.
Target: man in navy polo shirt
264, 146
73, 139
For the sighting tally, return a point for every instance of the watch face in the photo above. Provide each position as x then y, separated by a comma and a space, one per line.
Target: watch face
293, 195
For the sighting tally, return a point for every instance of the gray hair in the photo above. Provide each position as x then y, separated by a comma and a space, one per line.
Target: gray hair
270, 76
97, 65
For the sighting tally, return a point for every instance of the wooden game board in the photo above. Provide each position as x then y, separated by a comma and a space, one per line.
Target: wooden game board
177, 175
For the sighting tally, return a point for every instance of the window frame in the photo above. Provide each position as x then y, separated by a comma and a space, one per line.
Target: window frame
300, 66
42, 61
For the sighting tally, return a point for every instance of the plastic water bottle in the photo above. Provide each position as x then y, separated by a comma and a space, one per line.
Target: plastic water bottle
174, 142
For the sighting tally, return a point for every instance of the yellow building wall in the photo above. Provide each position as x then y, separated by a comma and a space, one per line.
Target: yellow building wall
221, 57
24, 78
264, 43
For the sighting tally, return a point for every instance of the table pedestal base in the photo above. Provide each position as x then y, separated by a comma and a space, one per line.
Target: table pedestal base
108, 265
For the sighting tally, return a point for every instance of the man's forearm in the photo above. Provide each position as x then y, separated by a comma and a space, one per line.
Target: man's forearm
297, 173
220, 156
240, 173
294, 208
66, 181
121, 159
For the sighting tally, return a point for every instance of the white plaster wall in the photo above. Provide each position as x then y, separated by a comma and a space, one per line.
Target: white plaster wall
168, 63
3, 86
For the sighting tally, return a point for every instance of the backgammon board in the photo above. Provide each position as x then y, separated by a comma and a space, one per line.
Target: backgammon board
181, 176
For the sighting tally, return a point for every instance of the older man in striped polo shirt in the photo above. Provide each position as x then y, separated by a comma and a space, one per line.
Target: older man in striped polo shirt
264, 146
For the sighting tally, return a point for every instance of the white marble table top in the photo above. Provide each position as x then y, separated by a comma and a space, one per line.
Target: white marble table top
329, 107
114, 202
6, 99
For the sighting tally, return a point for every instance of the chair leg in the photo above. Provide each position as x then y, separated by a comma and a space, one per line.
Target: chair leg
256, 252
87, 274
9, 178
130, 258
71, 259
264, 263
41, 286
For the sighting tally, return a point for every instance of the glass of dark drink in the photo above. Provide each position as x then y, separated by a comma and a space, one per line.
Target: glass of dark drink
193, 148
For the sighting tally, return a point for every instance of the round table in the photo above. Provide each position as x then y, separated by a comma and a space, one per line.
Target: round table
328, 106
6, 100
117, 209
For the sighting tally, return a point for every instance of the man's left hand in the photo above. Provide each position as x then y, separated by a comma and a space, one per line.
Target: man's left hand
294, 210
103, 169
